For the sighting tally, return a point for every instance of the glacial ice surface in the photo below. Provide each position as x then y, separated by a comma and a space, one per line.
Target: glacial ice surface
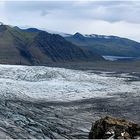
60, 84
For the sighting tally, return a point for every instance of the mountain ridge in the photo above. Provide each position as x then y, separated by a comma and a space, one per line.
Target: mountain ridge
37, 47
106, 45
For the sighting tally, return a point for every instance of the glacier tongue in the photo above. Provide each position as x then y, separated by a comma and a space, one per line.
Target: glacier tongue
59, 84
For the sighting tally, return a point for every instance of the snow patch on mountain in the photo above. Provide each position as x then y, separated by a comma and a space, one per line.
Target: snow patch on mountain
100, 36
91, 36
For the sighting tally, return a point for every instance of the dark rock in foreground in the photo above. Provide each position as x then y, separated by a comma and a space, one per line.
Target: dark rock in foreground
110, 127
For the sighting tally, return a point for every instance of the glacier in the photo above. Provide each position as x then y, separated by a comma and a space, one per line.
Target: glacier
60, 84
38, 102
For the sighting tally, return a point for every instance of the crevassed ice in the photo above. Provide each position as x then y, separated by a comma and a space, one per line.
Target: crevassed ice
59, 84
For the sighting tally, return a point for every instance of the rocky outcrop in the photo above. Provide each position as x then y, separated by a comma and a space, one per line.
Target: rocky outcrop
113, 128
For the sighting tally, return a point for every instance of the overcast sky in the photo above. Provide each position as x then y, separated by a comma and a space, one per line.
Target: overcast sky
120, 18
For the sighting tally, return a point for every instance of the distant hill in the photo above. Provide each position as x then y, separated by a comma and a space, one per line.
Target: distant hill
106, 45
35, 47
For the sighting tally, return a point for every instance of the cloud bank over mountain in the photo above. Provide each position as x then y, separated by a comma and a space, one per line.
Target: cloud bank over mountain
101, 17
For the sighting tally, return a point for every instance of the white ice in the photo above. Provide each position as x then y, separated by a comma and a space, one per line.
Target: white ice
59, 84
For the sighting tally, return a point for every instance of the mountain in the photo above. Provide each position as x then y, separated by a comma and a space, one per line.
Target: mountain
36, 47
106, 45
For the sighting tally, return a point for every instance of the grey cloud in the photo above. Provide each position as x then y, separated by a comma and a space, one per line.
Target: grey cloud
110, 11
44, 13
113, 11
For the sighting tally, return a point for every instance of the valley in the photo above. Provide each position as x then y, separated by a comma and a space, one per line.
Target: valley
69, 69
52, 87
